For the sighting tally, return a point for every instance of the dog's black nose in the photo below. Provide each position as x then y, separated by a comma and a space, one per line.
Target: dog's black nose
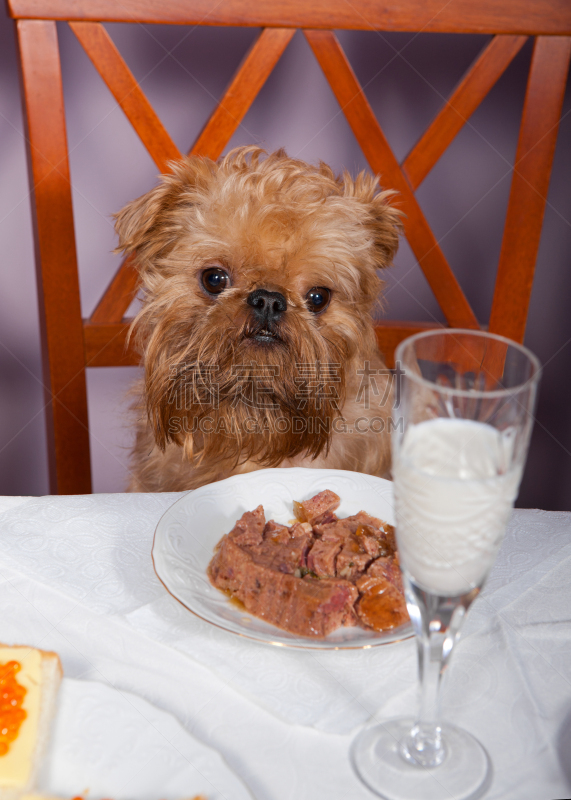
268, 306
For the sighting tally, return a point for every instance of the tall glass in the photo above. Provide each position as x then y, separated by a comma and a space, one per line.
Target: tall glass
466, 401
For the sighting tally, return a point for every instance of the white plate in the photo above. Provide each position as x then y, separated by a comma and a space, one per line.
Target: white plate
111, 743
188, 532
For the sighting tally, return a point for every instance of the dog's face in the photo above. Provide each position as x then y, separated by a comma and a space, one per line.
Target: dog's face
259, 279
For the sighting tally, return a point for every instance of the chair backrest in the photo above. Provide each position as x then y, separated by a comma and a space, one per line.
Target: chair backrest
70, 343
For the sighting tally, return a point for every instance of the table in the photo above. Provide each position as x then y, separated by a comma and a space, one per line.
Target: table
76, 577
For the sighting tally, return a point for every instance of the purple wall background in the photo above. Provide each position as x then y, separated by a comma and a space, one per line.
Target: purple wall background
183, 71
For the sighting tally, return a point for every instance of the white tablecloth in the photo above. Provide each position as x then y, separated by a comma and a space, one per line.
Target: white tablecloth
76, 577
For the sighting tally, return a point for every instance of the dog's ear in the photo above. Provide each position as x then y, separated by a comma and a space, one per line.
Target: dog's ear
386, 225
135, 222
148, 225
382, 219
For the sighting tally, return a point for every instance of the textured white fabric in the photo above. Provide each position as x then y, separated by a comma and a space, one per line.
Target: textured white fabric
77, 577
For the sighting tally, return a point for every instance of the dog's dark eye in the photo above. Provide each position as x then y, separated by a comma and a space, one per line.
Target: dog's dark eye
318, 299
215, 280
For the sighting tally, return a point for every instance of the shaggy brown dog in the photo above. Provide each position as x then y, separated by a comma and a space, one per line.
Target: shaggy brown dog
259, 278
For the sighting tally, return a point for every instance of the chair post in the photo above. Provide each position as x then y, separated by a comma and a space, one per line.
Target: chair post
530, 184
56, 261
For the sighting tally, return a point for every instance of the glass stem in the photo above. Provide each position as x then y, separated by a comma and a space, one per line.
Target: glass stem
430, 670
437, 621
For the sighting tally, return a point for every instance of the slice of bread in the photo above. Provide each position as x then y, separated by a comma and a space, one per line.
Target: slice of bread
38, 797
40, 674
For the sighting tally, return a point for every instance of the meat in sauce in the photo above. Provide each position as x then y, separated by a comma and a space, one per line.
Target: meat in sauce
316, 575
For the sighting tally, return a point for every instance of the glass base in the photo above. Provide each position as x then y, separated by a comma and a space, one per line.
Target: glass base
464, 774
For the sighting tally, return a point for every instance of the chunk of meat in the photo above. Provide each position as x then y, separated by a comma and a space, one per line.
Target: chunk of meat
283, 555
277, 533
388, 568
307, 607
250, 527
362, 519
321, 558
369, 544
280, 548
383, 537
361, 524
353, 560
333, 531
386, 540
316, 507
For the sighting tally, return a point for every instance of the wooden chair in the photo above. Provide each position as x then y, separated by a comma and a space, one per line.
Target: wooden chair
70, 344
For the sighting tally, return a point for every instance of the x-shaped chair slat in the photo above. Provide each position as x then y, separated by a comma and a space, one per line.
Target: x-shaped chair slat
125, 89
378, 153
243, 89
118, 295
475, 85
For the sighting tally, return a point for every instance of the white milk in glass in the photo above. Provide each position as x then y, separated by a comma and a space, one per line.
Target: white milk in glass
453, 497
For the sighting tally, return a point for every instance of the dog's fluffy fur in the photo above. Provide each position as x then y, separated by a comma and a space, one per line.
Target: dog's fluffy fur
277, 224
